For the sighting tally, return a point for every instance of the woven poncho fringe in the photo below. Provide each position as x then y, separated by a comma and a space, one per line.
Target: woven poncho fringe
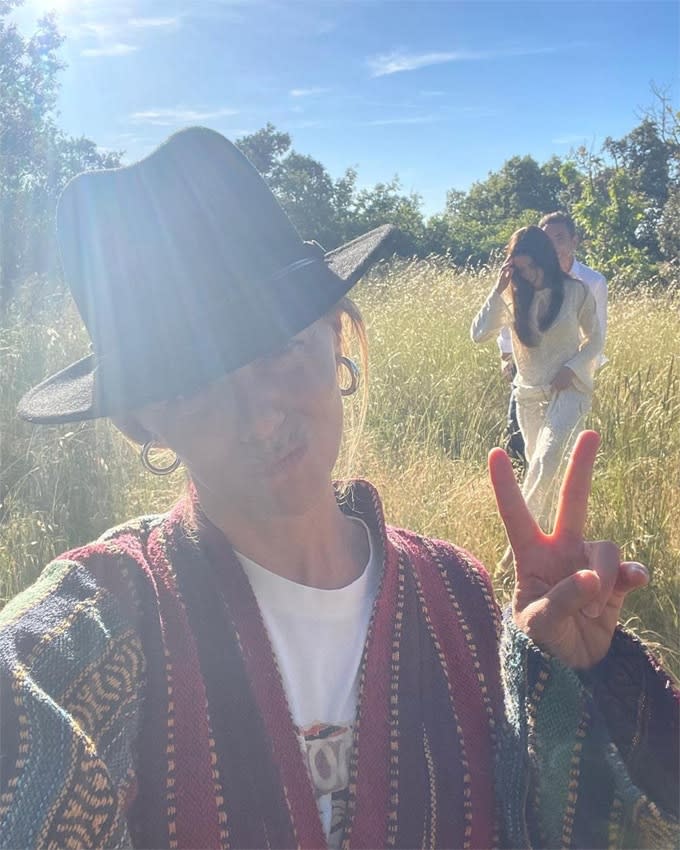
140, 704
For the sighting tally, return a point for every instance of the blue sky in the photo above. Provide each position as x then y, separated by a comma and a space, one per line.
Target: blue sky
440, 93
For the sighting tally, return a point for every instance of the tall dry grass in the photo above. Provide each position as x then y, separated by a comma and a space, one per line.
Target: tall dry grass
437, 405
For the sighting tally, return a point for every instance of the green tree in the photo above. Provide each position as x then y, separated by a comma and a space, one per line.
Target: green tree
301, 183
307, 193
530, 186
520, 184
345, 191
265, 148
610, 212
331, 211
480, 222
668, 229
385, 203
36, 158
645, 156
438, 238
28, 91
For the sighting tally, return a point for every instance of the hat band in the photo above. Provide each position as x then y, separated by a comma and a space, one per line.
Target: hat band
293, 267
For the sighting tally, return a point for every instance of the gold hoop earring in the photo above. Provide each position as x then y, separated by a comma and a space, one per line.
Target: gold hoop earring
353, 370
151, 467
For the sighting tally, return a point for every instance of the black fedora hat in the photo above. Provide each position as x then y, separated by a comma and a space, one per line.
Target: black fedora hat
184, 267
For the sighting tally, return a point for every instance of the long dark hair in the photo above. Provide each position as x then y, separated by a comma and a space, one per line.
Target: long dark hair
533, 242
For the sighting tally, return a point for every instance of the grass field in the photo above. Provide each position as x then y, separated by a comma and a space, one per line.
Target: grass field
436, 406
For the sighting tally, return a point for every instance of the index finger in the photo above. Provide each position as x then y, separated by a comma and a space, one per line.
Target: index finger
572, 507
520, 526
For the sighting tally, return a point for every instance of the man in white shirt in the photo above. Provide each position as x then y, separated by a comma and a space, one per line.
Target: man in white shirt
560, 227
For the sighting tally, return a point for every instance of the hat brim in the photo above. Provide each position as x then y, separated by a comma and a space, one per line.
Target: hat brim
72, 394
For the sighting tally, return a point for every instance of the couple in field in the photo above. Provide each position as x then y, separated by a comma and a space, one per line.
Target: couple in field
549, 314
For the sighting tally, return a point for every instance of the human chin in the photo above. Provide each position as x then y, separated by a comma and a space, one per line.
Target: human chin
292, 491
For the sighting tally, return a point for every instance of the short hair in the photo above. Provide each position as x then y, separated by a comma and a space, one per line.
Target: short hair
559, 218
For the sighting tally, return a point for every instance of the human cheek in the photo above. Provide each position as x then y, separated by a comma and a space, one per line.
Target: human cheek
314, 375
200, 424
327, 379
313, 383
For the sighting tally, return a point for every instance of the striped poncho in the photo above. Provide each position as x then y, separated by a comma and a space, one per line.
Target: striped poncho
141, 705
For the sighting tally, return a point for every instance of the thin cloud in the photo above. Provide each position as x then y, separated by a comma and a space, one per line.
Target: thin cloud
386, 122
114, 32
116, 49
311, 92
398, 61
395, 62
179, 115
90, 29
153, 23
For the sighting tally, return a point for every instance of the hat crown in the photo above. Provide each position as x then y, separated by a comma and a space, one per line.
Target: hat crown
191, 228
184, 267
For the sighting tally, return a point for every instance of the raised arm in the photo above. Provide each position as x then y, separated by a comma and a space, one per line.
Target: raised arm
495, 313
590, 755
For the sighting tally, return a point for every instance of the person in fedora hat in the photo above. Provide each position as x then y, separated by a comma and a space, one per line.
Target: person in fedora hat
270, 664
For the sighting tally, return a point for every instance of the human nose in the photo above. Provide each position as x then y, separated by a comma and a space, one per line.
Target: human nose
261, 403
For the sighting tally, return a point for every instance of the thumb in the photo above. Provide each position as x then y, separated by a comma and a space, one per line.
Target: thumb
573, 594
542, 619
631, 576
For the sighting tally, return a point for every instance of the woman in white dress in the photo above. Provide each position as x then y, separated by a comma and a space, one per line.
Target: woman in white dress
556, 343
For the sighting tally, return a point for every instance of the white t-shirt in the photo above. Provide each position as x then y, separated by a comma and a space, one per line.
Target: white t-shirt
318, 638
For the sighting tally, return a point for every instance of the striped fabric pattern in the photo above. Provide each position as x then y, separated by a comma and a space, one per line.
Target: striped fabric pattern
141, 705
567, 736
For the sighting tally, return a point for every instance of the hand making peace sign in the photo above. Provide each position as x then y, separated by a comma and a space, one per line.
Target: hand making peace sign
568, 592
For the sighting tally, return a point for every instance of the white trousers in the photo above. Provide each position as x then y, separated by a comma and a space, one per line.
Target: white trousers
550, 423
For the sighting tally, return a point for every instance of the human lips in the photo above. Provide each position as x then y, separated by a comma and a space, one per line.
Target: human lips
286, 460
281, 453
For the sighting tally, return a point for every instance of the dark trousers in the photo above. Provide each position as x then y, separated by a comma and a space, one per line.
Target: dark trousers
514, 442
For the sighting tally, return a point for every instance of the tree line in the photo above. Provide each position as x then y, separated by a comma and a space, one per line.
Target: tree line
625, 197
